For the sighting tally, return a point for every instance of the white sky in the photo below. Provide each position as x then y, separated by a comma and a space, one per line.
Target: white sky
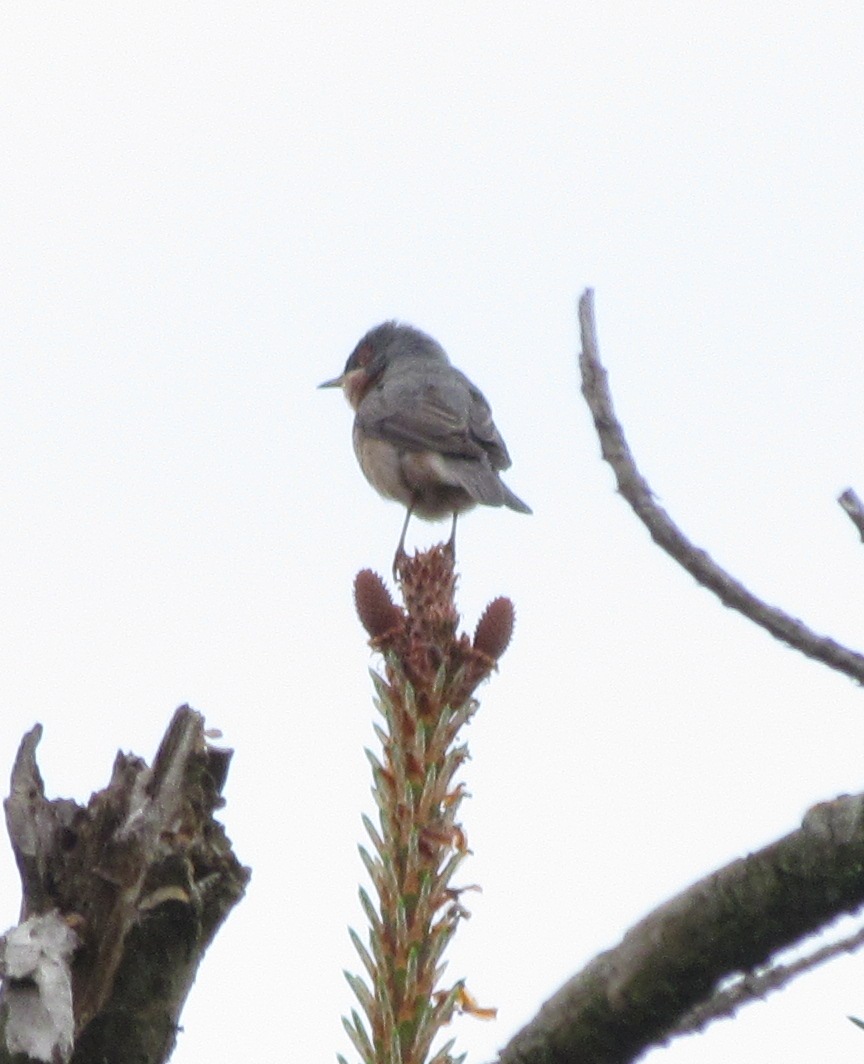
202, 207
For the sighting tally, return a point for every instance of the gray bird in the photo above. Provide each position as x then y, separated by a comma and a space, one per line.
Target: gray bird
423, 433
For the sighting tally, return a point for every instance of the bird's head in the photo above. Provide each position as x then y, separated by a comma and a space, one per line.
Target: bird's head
379, 348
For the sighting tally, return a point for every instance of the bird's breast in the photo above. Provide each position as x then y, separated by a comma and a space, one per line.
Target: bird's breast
382, 466
419, 479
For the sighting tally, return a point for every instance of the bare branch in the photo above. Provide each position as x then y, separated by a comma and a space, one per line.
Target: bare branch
671, 972
666, 533
854, 507
729, 923
726, 1001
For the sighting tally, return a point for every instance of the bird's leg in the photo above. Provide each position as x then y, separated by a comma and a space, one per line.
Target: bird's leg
400, 550
450, 545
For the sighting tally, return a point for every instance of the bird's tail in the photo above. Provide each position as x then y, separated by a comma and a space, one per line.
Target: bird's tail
513, 501
483, 484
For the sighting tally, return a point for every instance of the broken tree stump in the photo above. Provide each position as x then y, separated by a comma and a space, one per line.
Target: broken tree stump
121, 899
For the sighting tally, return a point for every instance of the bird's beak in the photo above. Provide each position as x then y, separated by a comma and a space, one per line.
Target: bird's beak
337, 382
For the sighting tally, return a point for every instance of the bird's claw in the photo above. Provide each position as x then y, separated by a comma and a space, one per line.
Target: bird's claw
399, 559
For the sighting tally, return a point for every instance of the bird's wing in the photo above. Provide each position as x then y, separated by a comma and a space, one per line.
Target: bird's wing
482, 428
432, 407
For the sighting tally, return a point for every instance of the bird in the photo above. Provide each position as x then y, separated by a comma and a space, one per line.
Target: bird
423, 432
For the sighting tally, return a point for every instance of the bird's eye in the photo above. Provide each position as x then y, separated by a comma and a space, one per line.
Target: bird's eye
363, 356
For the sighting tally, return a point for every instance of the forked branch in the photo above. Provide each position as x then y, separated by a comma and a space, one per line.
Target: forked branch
670, 973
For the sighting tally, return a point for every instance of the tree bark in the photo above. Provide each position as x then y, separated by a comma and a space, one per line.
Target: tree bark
641, 993
141, 879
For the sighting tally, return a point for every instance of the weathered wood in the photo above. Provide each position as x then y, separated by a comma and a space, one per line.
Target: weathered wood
142, 877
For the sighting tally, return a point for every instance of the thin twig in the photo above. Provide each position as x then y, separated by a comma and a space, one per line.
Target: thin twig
755, 986
854, 507
666, 533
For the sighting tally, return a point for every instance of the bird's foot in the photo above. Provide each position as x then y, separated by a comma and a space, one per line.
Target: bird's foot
399, 560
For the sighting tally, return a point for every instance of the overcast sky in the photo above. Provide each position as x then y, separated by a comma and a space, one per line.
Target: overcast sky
202, 208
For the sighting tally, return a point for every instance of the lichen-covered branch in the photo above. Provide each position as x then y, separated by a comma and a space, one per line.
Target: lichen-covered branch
634, 996
142, 878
